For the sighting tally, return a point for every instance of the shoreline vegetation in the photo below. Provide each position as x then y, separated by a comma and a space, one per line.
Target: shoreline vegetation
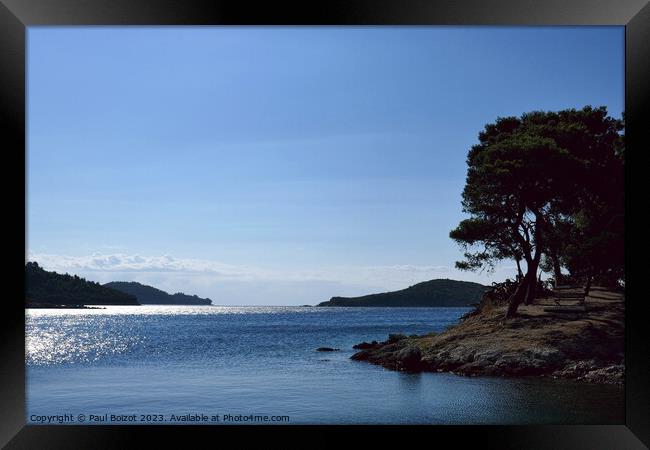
534, 194
32, 305
586, 346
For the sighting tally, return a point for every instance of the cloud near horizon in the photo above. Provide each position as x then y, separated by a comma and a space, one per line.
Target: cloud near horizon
242, 284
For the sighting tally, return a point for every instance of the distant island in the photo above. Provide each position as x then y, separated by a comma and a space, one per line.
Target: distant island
149, 295
45, 289
433, 293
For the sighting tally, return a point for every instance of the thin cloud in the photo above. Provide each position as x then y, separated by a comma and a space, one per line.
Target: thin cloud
240, 284
125, 263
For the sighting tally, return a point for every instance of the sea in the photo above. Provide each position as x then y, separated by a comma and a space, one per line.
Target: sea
234, 365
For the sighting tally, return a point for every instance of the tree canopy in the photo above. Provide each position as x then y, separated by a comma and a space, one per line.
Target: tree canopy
546, 184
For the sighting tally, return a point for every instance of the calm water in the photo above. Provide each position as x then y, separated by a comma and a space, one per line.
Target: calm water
183, 360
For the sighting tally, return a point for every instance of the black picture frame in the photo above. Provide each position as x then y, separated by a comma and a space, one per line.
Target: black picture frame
17, 15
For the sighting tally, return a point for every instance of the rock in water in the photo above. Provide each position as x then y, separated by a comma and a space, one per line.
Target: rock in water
327, 349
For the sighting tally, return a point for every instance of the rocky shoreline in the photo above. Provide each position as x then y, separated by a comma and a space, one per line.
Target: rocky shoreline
585, 346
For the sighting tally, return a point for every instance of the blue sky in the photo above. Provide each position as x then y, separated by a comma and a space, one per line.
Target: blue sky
261, 165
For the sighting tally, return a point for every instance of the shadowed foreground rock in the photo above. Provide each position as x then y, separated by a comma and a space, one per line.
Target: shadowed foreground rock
587, 346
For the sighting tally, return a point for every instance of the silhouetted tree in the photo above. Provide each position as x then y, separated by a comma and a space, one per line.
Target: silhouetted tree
531, 180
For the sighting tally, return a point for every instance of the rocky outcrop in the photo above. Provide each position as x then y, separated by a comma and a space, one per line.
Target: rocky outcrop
409, 358
586, 347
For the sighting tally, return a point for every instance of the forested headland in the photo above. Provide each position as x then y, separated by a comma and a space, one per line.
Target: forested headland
433, 293
43, 289
149, 295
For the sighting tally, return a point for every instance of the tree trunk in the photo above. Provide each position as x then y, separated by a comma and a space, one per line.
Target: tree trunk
515, 299
533, 263
531, 289
520, 274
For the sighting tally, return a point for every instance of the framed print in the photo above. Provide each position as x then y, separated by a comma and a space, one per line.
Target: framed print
304, 221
